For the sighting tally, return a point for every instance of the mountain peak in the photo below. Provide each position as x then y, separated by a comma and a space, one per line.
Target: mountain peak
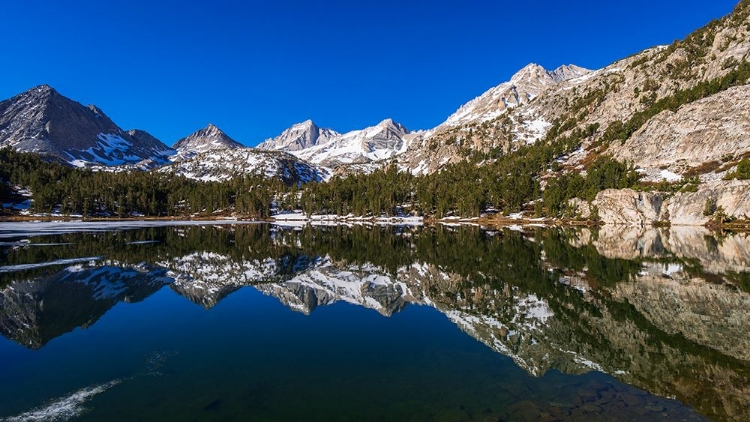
566, 72
391, 124
41, 92
42, 120
44, 88
206, 139
530, 71
526, 84
534, 73
299, 136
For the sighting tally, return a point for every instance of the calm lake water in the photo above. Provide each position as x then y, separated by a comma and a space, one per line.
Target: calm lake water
257, 322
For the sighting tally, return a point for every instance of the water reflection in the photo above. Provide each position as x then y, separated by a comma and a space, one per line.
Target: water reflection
662, 309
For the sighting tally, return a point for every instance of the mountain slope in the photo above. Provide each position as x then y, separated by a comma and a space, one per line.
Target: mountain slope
527, 84
635, 96
331, 149
497, 119
300, 136
41, 120
613, 102
204, 140
210, 154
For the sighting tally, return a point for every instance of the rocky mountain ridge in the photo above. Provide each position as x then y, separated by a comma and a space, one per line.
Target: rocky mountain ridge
209, 154
673, 112
299, 137
42, 121
373, 144
203, 140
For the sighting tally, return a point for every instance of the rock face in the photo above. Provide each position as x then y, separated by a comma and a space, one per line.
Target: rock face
299, 137
630, 208
331, 149
41, 120
484, 123
527, 84
687, 208
207, 139
211, 155
716, 129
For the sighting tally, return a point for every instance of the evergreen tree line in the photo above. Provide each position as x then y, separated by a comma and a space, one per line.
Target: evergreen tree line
463, 189
498, 180
58, 188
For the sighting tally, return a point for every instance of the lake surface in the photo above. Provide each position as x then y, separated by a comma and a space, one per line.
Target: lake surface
258, 322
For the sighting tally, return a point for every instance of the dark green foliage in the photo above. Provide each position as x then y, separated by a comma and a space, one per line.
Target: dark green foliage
709, 208
604, 173
56, 187
742, 172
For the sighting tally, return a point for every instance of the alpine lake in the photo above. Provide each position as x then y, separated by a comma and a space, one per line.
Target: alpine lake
257, 322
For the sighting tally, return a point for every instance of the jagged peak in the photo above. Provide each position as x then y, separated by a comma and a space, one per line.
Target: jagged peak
307, 123
44, 88
390, 123
207, 138
568, 71
40, 91
531, 70
211, 130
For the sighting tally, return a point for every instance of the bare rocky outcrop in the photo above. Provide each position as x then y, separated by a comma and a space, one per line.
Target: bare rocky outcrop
687, 208
715, 129
299, 136
628, 207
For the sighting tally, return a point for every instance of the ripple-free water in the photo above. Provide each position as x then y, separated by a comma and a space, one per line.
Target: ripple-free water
257, 323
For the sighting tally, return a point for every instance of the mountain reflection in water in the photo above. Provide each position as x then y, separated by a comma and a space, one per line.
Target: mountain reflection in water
665, 310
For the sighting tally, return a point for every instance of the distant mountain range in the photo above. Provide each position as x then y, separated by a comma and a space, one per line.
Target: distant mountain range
43, 121
688, 139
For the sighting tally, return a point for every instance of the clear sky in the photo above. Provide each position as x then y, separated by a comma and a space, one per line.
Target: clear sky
254, 68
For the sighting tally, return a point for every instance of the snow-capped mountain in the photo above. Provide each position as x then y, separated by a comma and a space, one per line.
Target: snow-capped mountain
362, 150
207, 139
525, 85
41, 120
300, 136
211, 155
382, 141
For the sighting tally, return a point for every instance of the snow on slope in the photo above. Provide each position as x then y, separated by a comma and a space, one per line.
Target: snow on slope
331, 149
43, 121
300, 136
227, 163
211, 155
204, 140
524, 86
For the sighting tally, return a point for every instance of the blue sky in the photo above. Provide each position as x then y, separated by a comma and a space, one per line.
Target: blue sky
254, 68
